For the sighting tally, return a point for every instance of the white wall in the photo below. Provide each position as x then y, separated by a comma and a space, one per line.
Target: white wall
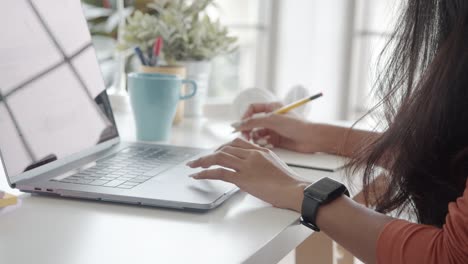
313, 45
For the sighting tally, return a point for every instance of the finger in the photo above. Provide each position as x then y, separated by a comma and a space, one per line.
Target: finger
263, 141
226, 144
259, 108
267, 138
246, 135
237, 142
215, 174
280, 124
221, 146
244, 144
260, 136
267, 121
253, 134
234, 151
218, 158
254, 108
240, 143
261, 133
237, 125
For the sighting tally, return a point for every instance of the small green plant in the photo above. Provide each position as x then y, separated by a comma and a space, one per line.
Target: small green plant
103, 20
188, 33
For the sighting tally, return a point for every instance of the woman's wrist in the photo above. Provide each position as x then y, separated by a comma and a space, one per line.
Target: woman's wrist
295, 196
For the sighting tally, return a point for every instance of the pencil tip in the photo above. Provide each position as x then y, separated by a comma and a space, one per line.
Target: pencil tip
315, 96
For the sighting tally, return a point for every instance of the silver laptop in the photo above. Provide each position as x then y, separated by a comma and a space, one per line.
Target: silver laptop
57, 130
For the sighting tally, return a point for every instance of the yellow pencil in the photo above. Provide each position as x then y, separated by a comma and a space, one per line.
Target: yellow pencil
289, 107
282, 110
8, 200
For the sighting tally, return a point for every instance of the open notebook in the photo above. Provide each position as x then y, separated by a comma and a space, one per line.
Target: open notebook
317, 161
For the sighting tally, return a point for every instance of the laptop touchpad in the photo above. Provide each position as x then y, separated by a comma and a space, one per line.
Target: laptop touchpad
180, 175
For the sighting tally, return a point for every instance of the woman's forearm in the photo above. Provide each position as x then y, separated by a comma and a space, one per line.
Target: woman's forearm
353, 226
342, 141
350, 224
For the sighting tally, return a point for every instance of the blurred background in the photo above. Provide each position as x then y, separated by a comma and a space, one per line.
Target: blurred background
328, 46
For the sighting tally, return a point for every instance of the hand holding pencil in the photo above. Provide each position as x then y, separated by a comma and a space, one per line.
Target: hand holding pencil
282, 110
267, 125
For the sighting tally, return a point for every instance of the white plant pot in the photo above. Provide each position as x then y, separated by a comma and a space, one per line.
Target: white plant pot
200, 72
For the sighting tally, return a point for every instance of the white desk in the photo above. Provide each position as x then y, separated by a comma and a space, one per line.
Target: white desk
57, 231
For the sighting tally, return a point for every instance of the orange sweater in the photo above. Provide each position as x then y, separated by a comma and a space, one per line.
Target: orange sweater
404, 242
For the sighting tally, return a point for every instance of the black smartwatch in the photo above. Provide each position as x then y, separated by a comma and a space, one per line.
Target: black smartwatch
320, 192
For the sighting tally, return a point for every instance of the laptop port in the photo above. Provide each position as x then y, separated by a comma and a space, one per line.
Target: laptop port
37, 189
49, 190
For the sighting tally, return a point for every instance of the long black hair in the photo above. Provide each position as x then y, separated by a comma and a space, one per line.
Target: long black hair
423, 91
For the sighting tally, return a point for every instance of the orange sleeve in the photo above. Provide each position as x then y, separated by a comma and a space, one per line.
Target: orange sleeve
402, 242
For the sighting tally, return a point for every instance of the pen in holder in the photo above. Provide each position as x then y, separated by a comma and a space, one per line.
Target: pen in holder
179, 71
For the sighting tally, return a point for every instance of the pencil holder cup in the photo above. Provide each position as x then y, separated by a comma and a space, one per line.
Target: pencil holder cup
179, 71
154, 99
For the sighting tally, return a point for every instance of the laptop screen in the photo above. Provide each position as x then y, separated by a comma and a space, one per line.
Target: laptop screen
53, 101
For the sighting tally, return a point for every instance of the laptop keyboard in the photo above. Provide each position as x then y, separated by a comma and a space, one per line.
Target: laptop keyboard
131, 167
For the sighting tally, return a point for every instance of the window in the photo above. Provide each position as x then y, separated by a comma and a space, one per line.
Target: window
374, 23
247, 67
246, 19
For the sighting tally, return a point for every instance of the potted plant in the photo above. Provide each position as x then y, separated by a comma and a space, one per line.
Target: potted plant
191, 38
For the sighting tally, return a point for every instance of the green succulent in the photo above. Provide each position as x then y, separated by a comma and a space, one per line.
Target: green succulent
188, 33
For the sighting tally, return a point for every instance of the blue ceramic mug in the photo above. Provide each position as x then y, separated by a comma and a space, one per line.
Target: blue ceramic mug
154, 99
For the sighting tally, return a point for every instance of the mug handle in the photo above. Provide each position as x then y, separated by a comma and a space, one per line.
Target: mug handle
194, 89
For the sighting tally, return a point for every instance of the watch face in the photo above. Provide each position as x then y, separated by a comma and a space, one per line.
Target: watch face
325, 189
322, 188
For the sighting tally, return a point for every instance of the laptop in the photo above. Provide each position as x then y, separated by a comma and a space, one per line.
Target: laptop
58, 134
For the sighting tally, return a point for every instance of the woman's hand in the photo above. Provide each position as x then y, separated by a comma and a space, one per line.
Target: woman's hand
284, 131
255, 170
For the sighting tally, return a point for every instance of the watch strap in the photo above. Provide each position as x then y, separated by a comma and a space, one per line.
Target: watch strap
308, 219
321, 192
